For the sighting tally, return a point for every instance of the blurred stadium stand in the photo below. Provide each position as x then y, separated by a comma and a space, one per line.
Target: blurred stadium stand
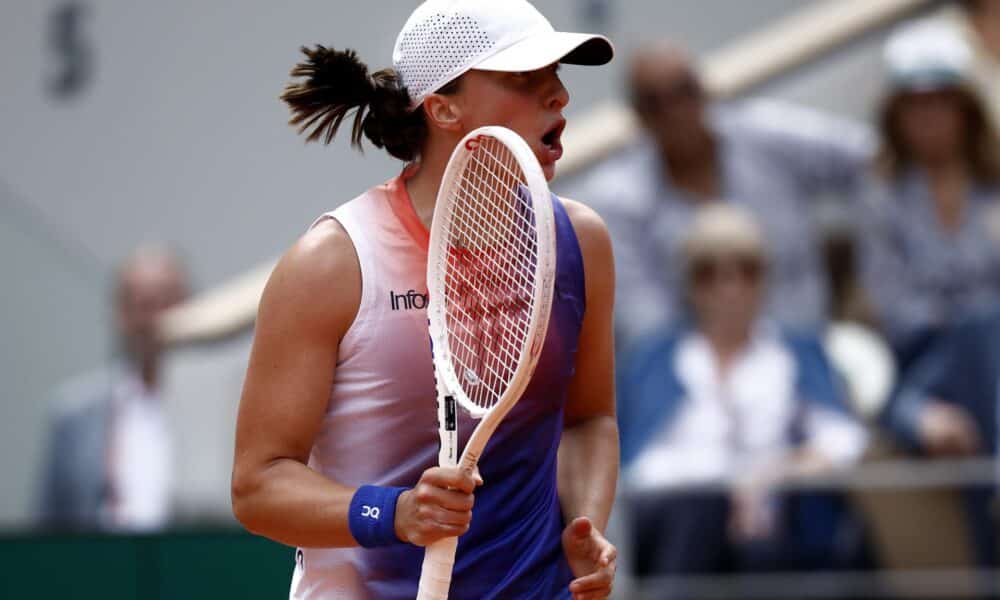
174, 132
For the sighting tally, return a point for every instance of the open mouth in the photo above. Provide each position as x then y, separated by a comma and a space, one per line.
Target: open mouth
552, 149
553, 136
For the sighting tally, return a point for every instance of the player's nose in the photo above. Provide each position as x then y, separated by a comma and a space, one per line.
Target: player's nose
557, 96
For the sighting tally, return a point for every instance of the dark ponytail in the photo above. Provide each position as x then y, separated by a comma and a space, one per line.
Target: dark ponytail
336, 82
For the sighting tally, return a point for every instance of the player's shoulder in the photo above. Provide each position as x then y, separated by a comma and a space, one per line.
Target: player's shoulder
321, 264
593, 237
589, 226
320, 256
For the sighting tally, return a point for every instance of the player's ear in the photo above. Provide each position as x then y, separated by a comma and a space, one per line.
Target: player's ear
443, 112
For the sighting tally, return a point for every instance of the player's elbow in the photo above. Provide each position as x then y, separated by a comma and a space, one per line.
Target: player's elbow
244, 491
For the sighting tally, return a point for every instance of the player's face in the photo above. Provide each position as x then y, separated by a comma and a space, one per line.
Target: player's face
530, 103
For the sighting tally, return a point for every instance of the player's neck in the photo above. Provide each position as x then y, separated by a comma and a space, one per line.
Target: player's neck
423, 186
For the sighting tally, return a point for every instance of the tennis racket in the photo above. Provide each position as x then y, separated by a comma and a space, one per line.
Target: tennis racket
490, 273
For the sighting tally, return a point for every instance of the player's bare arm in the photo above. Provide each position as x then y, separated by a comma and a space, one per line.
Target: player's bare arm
588, 452
309, 303
285, 393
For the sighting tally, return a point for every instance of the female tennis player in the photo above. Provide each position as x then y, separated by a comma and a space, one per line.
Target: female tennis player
337, 435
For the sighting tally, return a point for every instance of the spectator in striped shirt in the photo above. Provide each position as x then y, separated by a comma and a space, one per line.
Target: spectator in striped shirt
932, 236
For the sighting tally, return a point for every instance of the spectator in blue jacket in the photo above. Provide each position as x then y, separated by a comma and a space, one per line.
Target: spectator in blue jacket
729, 401
947, 406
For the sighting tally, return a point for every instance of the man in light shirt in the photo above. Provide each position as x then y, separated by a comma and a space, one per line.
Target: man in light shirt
774, 159
110, 457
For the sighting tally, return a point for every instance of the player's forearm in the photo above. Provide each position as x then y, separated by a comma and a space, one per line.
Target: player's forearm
288, 502
588, 469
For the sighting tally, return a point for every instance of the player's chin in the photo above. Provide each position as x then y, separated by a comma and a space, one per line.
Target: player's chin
548, 155
549, 170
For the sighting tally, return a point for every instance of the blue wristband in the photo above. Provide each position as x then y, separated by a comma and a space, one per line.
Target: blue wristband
372, 515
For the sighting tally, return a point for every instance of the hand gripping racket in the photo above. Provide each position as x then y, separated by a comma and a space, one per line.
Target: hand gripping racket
490, 273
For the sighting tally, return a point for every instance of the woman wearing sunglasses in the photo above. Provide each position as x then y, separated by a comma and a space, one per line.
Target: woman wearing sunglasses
715, 413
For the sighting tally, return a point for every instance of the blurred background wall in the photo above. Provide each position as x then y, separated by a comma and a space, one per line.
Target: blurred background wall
122, 122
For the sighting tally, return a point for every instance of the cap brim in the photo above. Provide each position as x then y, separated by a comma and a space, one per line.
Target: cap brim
926, 82
543, 49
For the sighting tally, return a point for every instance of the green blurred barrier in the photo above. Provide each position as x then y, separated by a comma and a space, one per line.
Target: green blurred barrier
197, 564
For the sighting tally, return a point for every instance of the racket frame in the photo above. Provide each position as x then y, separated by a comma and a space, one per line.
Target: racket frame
439, 557
448, 382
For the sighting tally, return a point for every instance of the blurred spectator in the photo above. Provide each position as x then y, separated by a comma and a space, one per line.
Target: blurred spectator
730, 399
849, 301
109, 462
856, 348
932, 240
947, 407
772, 159
979, 24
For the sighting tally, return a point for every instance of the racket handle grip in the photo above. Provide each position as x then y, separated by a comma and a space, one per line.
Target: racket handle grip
435, 574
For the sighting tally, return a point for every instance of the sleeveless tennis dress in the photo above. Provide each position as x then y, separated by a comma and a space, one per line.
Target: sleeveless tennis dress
381, 423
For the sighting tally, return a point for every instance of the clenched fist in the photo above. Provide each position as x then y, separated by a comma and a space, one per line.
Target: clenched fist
439, 506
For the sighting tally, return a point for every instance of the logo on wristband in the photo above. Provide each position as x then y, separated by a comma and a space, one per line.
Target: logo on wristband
369, 504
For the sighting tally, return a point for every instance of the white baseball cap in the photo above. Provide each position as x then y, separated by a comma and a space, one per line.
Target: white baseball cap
927, 56
445, 38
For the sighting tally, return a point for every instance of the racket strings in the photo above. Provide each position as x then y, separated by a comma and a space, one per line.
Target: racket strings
489, 280
481, 324
504, 279
475, 182
469, 316
525, 226
511, 185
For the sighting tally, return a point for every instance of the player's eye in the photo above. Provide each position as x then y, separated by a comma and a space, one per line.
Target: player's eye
525, 80
520, 80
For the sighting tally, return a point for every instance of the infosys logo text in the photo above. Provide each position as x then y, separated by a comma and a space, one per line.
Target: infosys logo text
409, 301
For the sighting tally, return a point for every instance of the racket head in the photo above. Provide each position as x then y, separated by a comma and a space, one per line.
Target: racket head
490, 270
